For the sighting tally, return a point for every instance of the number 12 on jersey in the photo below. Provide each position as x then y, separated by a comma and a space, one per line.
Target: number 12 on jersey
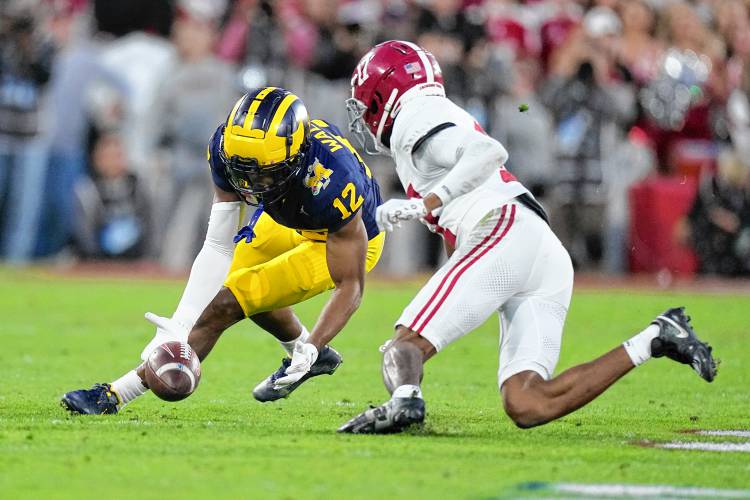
354, 201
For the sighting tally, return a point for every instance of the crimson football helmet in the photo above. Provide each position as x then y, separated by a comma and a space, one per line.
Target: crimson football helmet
385, 78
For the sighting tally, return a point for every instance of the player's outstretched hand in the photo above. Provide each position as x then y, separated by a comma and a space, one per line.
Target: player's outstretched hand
303, 358
390, 214
167, 330
166, 325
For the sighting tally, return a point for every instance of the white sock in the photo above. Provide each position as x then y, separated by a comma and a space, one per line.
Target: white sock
289, 345
128, 387
407, 391
639, 347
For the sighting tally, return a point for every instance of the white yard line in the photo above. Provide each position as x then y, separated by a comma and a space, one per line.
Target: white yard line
645, 490
703, 446
732, 433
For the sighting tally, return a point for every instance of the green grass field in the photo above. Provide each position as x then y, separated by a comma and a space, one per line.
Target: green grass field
62, 334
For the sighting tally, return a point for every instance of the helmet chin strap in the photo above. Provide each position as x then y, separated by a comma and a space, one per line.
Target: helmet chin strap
387, 109
393, 106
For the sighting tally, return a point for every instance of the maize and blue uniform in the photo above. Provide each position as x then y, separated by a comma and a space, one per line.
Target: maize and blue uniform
280, 258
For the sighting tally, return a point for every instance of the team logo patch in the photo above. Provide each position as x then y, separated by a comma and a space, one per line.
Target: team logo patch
318, 177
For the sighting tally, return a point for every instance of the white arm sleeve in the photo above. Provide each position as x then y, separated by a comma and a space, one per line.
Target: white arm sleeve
469, 155
212, 263
207, 275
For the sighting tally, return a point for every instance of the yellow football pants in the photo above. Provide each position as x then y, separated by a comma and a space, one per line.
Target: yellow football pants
280, 267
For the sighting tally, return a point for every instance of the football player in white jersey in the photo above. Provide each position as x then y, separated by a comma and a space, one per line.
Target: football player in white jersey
504, 257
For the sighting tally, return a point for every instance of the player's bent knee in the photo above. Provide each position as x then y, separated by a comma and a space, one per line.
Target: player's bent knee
403, 332
409, 339
524, 403
524, 414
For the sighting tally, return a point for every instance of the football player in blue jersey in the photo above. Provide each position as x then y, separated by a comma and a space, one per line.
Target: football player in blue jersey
313, 229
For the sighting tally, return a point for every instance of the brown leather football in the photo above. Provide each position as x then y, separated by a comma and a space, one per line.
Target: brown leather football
173, 371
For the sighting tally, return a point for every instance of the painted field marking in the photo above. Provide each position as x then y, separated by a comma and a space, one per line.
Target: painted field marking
739, 434
647, 490
618, 490
721, 446
702, 446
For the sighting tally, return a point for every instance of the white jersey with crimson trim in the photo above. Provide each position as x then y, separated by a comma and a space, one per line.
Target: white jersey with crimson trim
418, 120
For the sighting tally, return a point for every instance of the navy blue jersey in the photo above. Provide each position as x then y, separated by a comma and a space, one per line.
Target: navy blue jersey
333, 185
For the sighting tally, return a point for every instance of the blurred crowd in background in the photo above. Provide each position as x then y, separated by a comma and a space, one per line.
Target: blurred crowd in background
636, 138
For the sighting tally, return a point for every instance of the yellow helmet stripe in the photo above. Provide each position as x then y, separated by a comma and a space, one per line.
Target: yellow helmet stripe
296, 135
281, 111
268, 109
255, 105
239, 112
268, 125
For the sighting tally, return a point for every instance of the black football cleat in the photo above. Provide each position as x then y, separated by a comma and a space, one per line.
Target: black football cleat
99, 400
394, 415
326, 364
678, 341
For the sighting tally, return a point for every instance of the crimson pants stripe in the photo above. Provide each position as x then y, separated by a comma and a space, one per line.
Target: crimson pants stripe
457, 265
467, 266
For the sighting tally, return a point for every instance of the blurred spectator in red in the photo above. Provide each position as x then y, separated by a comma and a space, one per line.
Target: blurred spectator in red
510, 34
680, 104
25, 62
112, 213
194, 96
232, 43
562, 19
298, 21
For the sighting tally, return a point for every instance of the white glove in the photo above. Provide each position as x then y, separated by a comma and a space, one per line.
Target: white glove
303, 358
392, 212
167, 329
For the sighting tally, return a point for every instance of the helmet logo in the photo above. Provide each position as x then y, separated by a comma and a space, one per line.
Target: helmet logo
318, 177
360, 74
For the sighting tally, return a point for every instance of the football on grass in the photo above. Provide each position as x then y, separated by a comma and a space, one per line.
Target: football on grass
173, 371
